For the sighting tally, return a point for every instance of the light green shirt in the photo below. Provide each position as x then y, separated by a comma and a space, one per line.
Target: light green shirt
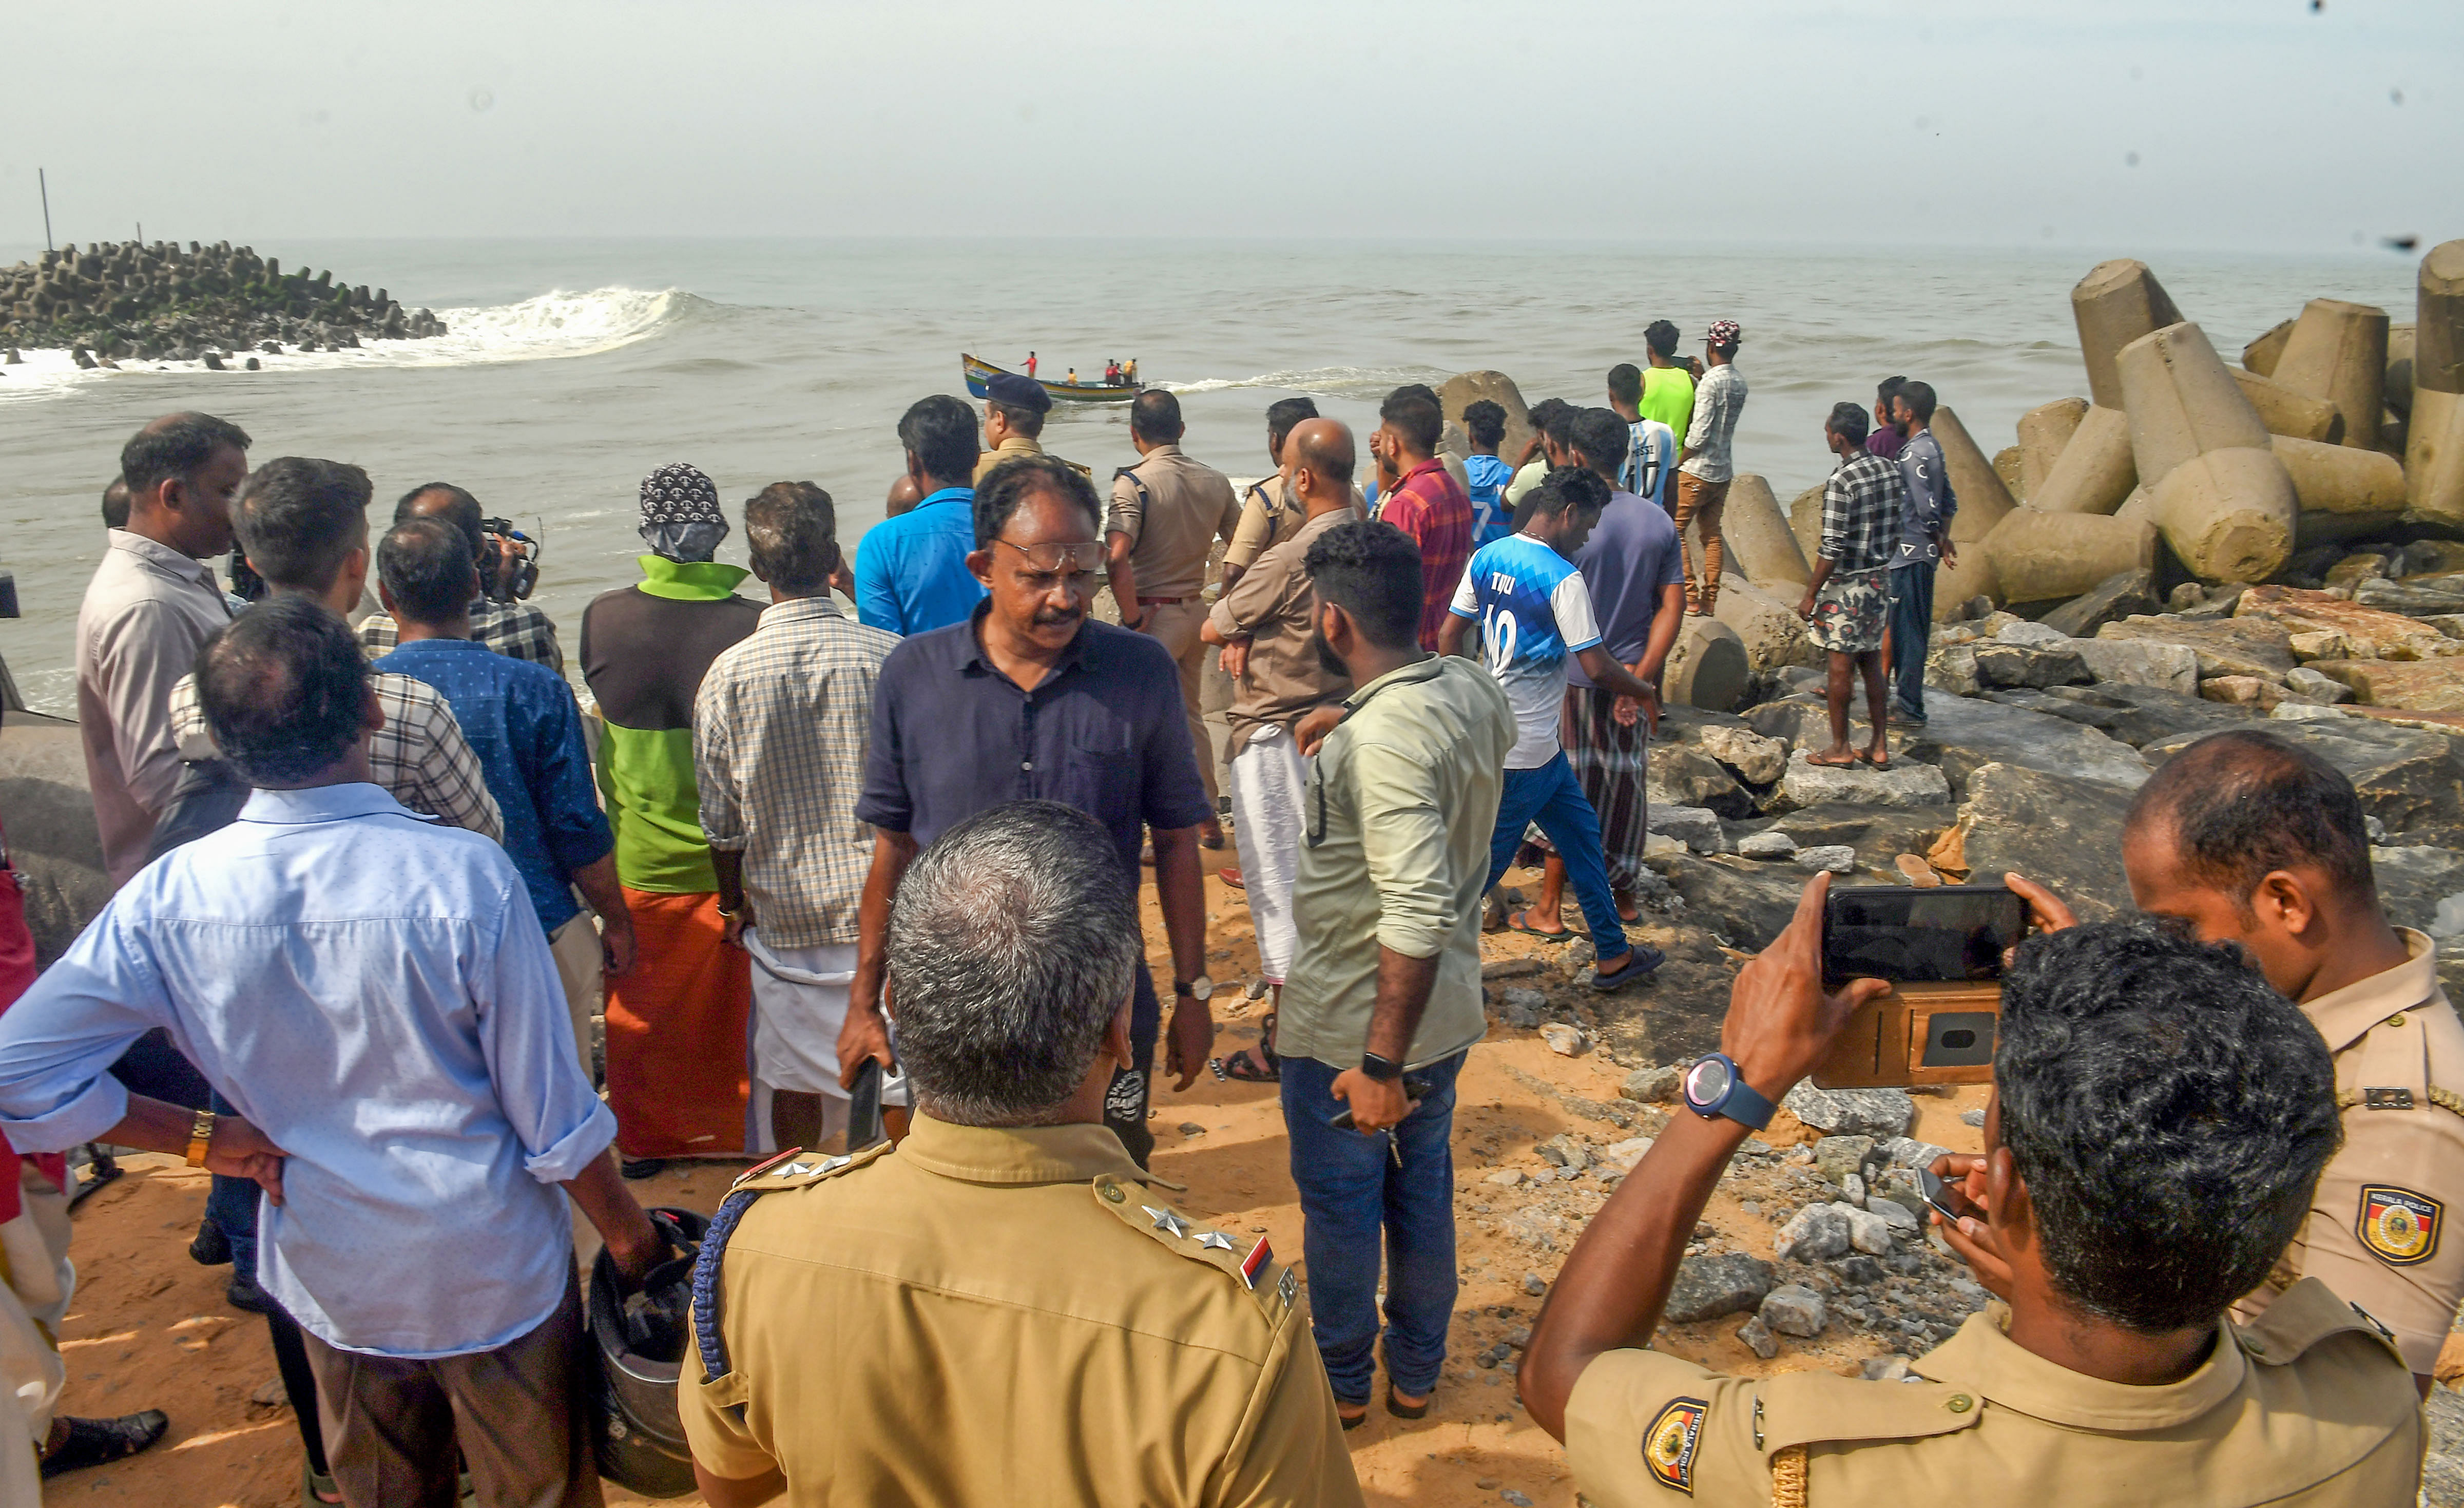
1534, 472
1410, 782
1668, 396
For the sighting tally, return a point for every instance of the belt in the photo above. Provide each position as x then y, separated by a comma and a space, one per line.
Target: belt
1161, 602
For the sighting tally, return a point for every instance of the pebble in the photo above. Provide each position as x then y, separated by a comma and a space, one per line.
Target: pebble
1972, 1118
1505, 1177
1758, 1338
1563, 1040
1516, 1498
1191, 1128
1488, 1484
1534, 1285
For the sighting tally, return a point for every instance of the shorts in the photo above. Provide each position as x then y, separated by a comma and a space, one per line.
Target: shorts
1851, 611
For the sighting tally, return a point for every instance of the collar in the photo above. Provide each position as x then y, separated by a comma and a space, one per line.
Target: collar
796, 609
443, 644
323, 803
1019, 445
1081, 654
1429, 669
163, 557
1158, 452
1982, 1358
1070, 1154
689, 581
1432, 464
965, 494
2344, 1015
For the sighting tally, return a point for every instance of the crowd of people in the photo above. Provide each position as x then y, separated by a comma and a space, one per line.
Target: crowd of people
381, 880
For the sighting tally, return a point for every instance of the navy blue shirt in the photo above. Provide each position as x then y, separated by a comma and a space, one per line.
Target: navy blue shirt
521, 722
1103, 732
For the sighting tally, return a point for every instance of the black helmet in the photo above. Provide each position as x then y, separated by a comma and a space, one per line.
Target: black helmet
639, 1343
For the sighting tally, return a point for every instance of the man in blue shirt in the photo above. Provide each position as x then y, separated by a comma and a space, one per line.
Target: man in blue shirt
521, 722
1924, 542
374, 995
1488, 473
1534, 611
911, 570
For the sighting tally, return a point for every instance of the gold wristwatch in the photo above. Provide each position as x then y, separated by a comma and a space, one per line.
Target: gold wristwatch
201, 1136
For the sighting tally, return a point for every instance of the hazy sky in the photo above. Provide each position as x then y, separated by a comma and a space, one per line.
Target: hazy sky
2256, 124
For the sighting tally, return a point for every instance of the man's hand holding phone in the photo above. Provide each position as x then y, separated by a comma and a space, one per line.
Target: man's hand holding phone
1954, 1187
1780, 1021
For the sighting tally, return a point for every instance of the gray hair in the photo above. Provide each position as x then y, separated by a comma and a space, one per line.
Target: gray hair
1013, 942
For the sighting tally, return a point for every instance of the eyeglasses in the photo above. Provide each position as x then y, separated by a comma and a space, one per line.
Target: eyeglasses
1056, 559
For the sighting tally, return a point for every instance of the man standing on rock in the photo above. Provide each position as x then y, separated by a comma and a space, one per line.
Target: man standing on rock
1667, 388
1384, 999
1651, 446
1847, 604
1924, 538
1705, 469
1167, 513
149, 608
911, 568
2247, 839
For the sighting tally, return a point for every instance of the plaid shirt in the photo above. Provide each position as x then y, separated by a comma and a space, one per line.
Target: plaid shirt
780, 729
1861, 514
515, 628
420, 754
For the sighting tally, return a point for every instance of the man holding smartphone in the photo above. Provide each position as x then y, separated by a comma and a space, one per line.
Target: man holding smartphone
2161, 1118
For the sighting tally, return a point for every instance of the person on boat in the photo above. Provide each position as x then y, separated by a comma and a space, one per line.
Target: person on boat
1072, 380
1014, 413
1130, 374
1030, 366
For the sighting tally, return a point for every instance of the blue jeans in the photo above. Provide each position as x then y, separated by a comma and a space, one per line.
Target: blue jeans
1912, 634
1553, 797
230, 1203
1353, 1186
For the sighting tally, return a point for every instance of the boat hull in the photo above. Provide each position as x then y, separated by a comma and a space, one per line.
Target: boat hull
979, 373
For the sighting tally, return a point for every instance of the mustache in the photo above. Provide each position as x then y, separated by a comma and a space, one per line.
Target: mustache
1052, 617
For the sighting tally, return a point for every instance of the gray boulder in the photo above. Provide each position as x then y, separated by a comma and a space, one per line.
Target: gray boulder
1904, 784
1838, 859
1707, 1287
1682, 775
2003, 664
2224, 646
1769, 843
1698, 828
1877, 1113
1963, 734
1792, 1309
2414, 881
1815, 1234
1651, 1085
1753, 757
2117, 596
2135, 714
2059, 831
2141, 663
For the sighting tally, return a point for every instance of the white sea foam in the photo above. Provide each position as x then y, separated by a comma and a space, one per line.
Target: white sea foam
1339, 381
553, 325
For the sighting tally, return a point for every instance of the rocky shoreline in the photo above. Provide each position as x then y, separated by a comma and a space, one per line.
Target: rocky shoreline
127, 300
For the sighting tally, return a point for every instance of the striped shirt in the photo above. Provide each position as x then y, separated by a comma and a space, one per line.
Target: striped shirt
780, 729
515, 630
1718, 400
1861, 514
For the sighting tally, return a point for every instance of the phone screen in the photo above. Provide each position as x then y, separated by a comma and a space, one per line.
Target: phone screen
1946, 935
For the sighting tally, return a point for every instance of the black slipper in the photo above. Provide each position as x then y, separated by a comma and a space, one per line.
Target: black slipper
100, 1442
1645, 959
1352, 1420
1400, 1409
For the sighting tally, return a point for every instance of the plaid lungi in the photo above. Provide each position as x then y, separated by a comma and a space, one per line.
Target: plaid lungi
1609, 763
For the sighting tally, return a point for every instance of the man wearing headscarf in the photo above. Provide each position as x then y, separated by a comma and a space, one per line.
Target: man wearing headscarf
676, 1023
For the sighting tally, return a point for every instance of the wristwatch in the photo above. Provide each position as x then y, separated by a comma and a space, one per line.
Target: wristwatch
1714, 1088
1384, 1070
201, 1136
1201, 989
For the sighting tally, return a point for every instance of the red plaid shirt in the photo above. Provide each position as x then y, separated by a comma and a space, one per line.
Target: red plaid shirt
1429, 505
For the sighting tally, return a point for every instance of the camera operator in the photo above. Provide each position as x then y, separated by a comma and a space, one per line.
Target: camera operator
2246, 838
508, 568
2160, 1119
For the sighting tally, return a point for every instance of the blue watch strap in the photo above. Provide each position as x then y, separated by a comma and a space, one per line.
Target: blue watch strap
1745, 1104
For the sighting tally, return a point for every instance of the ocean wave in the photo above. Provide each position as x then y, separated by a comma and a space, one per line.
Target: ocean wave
554, 324
1342, 382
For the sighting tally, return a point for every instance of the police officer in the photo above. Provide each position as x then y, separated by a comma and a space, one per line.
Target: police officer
1167, 513
2161, 1116
2248, 838
1001, 1310
1014, 412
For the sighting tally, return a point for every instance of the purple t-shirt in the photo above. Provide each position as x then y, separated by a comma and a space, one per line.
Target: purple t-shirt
1885, 442
1630, 558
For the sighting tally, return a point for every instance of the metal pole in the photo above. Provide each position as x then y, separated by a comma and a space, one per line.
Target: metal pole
45, 184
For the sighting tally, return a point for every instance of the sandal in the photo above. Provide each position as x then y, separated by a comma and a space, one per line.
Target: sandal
1850, 763
1400, 1409
1352, 1421
1516, 921
1242, 1069
315, 1488
100, 1442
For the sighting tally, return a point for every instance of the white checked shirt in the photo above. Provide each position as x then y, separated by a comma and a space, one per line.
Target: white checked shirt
778, 744
1718, 399
515, 630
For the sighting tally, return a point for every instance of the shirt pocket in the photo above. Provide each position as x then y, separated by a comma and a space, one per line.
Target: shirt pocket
1101, 771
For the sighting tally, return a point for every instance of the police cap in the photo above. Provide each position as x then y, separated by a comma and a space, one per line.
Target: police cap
1012, 390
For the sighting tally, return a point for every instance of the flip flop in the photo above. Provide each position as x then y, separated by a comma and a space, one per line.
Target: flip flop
1400, 1409
1884, 763
100, 1442
1819, 763
1231, 876
1646, 960
1514, 923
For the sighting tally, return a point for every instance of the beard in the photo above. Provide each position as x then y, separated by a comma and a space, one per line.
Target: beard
1326, 659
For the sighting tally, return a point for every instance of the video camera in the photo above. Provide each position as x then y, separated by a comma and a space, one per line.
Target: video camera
509, 571
1942, 950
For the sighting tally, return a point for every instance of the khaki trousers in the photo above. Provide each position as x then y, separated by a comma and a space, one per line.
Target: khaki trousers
1175, 625
518, 1413
582, 968
1704, 503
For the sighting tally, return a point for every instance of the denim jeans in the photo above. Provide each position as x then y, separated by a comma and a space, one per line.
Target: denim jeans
1553, 797
1912, 634
1353, 1187
230, 1204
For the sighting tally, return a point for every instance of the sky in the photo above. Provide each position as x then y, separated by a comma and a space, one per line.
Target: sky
2258, 126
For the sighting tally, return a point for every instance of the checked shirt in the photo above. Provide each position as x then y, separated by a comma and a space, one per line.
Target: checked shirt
1861, 514
515, 630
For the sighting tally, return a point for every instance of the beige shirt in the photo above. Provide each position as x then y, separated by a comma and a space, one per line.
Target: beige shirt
1011, 449
1267, 519
2377, 1232
1272, 606
1396, 855
2309, 1406
146, 613
1173, 509
1007, 1315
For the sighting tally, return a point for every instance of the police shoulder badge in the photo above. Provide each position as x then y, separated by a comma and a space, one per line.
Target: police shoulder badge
2401, 1228
1668, 1445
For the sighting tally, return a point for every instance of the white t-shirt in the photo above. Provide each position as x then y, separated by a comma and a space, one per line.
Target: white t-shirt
1533, 610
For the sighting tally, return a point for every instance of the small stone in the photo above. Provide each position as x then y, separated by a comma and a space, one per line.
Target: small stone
1904, 1151
1652, 1086
1902, 1220
1623, 1155
1842, 1157
1488, 1484
1753, 755
1698, 828
1887, 1368
1516, 1498
268, 1394
1972, 1118
1838, 859
1852, 1189
1507, 969
1860, 1269
1563, 1040
1864, 1112
1750, 1206
1758, 1338
1813, 1234
1867, 1232
1771, 843
1191, 1128
1258, 987
1533, 1284
1794, 1310
1523, 1008
1707, 1287
1505, 1177
2317, 686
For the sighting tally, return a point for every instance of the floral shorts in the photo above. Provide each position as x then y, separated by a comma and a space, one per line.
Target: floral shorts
1851, 612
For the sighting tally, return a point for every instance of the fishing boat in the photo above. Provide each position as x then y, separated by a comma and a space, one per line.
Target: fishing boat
979, 372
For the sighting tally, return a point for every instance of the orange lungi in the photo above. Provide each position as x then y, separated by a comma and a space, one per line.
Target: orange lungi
676, 1033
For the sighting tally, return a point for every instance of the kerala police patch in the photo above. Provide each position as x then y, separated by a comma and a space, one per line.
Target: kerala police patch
1668, 1445
2399, 1226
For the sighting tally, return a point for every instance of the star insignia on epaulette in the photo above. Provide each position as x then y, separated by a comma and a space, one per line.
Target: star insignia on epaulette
1215, 1239
1167, 1221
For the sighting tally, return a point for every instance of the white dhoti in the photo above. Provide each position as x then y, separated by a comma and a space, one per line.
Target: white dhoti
799, 1004
1270, 783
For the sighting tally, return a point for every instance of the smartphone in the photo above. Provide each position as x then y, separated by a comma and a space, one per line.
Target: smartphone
1948, 934
1414, 1090
864, 1112
1938, 1195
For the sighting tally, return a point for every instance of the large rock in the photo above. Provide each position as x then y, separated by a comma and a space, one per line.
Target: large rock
2117, 596
2337, 352
2216, 489
1772, 632
2261, 354
1687, 776
1879, 835
2116, 303
2005, 665
1877, 1113
1707, 668
1465, 389
2345, 493
1758, 537
2167, 667
2365, 633
2063, 831
52, 837
1902, 785
1745, 902
1815, 1234
2225, 647
1964, 734
1707, 1287
2410, 781
1753, 757
1698, 828
2043, 431
2136, 715
2049, 557
1983, 499
2419, 687
2095, 471
2413, 881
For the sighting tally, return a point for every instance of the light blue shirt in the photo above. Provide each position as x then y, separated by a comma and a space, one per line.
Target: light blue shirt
911, 571
1491, 520
374, 993
1534, 610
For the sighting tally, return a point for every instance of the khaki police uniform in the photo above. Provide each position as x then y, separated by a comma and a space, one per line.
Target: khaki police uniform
2310, 1406
1012, 448
1269, 518
2377, 1232
1173, 509
1001, 1315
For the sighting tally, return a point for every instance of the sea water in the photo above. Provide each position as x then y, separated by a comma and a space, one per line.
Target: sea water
575, 369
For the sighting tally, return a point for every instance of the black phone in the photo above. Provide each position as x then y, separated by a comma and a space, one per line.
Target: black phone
1946, 934
1938, 1195
864, 1112
1414, 1090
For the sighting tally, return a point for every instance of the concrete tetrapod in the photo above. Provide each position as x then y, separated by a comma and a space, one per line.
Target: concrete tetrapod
1707, 667
1465, 389
2434, 455
2399, 373
1760, 539
1955, 585
2261, 355
2043, 431
1983, 499
2051, 557
1805, 521
2438, 323
2287, 412
2116, 303
2094, 472
1774, 635
2221, 497
2344, 493
2339, 352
